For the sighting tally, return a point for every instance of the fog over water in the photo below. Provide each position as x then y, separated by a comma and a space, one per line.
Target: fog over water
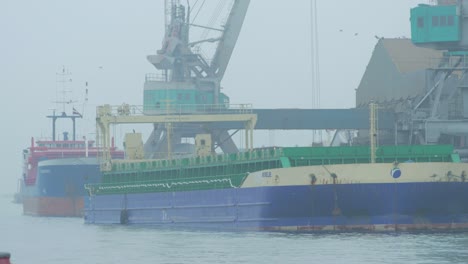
105, 43
68, 240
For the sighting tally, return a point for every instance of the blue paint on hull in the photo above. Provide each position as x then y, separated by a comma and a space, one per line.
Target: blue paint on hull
63, 180
307, 208
59, 188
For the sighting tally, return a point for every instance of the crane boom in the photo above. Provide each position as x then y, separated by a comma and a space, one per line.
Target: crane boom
228, 40
190, 75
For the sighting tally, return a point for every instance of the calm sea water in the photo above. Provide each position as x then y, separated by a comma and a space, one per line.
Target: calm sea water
68, 241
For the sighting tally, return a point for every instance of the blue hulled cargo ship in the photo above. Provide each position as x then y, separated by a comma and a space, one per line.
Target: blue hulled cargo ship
303, 189
58, 187
289, 189
55, 171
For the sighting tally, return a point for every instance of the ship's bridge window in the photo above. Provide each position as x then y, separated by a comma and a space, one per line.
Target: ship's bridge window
443, 21
420, 22
435, 21
450, 20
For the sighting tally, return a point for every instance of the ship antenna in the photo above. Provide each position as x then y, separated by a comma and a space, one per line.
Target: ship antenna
83, 111
63, 79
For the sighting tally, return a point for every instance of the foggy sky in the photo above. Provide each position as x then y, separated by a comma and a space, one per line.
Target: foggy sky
105, 43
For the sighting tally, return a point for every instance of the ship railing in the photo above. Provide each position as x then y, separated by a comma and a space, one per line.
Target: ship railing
243, 156
180, 109
156, 77
209, 109
59, 137
450, 61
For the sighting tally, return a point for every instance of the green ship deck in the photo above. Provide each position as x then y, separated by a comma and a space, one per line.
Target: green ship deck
230, 170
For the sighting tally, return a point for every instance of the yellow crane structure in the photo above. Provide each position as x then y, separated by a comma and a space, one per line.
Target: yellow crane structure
126, 114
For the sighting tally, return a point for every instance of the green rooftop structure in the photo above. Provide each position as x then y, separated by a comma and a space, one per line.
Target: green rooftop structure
439, 25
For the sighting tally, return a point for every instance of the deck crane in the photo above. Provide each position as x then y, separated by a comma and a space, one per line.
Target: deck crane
188, 81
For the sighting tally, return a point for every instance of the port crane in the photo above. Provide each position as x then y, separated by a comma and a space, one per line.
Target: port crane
189, 81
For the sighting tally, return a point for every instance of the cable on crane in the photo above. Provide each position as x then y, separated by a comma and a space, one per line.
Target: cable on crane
198, 12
